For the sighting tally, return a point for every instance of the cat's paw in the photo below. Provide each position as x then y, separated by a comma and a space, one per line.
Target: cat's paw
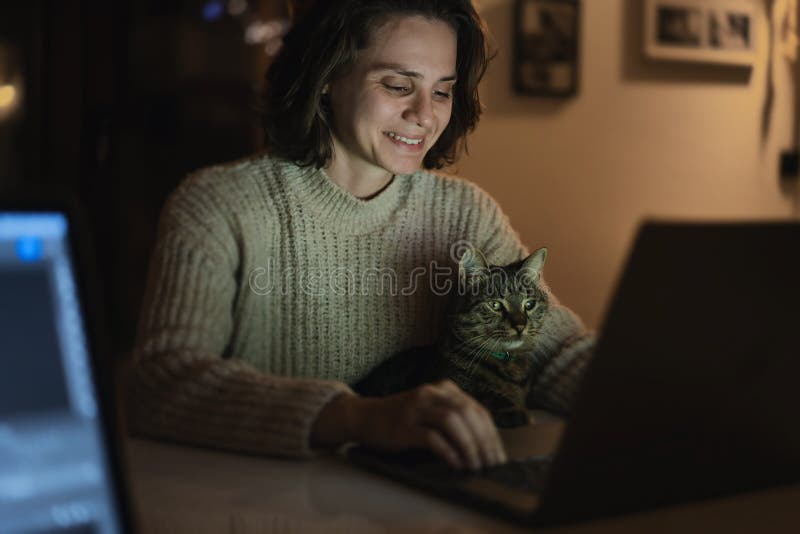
511, 417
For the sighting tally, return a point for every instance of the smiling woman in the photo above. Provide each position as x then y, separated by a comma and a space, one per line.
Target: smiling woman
364, 98
332, 40
392, 105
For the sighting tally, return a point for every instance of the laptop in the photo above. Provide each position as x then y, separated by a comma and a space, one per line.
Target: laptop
692, 392
59, 463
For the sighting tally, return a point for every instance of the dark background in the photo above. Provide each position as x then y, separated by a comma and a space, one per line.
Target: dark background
120, 101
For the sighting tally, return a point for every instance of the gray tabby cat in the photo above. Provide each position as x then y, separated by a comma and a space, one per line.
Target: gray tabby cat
489, 347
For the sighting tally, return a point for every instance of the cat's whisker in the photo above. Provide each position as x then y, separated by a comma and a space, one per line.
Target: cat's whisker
479, 353
475, 347
472, 340
473, 354
472, 362
476, 344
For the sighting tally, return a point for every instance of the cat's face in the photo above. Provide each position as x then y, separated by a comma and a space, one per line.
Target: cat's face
499, 308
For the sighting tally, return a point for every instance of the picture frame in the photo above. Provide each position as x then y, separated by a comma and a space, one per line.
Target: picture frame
707, 31
546, 47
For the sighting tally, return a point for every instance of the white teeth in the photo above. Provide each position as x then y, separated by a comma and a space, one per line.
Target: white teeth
404, 139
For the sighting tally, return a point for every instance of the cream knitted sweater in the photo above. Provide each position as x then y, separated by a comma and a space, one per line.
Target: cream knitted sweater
271, 288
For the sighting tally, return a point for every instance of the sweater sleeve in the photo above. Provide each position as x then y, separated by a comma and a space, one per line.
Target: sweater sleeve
565, 346
180, 386
563, 352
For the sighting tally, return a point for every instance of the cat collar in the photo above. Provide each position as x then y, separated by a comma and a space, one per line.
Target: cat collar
504, 356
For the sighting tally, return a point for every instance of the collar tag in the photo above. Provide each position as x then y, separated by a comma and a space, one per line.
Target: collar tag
503, 356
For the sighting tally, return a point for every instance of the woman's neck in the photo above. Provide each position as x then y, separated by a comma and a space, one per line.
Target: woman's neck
360, 179
365, 189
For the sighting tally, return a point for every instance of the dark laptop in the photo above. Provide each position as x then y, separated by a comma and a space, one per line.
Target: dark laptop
692, 392
59, 469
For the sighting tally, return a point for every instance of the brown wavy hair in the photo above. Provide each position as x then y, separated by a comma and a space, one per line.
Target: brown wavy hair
324, 42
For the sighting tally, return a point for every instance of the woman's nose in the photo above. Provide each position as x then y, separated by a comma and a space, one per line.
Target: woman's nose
421, 112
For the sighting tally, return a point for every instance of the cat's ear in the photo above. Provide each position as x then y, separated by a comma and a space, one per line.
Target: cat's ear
472, 263
532, 267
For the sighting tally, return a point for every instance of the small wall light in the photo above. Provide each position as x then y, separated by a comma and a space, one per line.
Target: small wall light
10, 83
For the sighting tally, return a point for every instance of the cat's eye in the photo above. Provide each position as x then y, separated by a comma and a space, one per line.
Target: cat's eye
496, 305
529, 305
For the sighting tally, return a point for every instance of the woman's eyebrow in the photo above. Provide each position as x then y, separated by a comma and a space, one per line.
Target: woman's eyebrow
403, 71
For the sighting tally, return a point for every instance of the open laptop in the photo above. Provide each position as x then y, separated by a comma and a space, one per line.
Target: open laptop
692, 392
59, 469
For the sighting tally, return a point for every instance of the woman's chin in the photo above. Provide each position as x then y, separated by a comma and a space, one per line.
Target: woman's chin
402, 163
404, 167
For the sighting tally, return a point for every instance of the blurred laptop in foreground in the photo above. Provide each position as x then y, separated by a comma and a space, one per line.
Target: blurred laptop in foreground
58, 460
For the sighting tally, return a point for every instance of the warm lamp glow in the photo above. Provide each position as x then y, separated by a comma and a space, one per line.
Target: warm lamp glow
7, 95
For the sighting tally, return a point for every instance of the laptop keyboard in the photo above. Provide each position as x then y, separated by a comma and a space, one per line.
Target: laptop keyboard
526, 474
521, 474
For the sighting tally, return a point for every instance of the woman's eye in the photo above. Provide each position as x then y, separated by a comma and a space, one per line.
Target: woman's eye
442, 94
397, 88
529, 305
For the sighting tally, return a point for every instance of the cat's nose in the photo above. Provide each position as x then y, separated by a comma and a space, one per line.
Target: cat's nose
519, 328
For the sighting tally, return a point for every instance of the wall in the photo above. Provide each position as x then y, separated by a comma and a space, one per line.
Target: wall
642, 139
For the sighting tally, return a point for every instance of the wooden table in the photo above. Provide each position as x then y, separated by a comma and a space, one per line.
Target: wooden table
183, 489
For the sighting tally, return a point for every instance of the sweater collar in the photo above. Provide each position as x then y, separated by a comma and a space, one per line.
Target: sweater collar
316, 193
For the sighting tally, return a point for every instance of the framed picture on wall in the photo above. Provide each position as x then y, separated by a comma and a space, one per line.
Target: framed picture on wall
708, 31
546, 47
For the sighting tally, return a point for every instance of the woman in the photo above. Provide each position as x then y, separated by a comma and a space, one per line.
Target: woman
267, 292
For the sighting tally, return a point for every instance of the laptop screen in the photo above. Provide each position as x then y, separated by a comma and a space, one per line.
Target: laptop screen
55, 471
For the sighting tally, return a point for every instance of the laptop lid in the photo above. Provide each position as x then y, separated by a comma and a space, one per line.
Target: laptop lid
692, 392
59, 467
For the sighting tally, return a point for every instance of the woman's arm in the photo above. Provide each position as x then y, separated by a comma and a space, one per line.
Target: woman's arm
566, 348
179, 385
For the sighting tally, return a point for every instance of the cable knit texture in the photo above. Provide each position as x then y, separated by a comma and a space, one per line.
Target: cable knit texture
271, 288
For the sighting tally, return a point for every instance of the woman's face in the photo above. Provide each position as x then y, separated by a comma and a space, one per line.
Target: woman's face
393, 105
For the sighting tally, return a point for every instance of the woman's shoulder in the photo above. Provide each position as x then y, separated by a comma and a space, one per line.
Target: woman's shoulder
219, 199
454, 190
231, 190
476, 216
225, 181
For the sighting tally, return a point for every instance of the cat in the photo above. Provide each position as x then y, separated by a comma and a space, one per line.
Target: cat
488, 347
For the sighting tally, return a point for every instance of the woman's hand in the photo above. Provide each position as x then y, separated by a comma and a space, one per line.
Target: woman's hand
439, 417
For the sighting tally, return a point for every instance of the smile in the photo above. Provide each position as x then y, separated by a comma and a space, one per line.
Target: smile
405, 140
